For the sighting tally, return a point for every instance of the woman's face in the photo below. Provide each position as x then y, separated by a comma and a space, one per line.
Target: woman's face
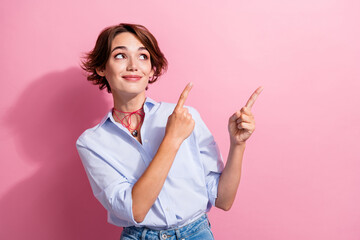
128, 68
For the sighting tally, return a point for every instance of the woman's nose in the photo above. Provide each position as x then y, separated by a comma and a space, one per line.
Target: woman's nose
131, 65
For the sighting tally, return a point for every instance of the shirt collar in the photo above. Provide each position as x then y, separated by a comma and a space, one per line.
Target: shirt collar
148, 106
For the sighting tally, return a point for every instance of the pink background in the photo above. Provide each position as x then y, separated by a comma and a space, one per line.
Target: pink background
301, 172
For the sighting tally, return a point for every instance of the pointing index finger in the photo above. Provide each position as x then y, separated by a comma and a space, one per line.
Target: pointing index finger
184, 95
253, 97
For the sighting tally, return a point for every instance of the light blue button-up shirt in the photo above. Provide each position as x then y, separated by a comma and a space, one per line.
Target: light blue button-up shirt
114, 161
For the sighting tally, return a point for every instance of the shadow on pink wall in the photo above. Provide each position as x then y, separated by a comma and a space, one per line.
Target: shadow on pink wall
56, 202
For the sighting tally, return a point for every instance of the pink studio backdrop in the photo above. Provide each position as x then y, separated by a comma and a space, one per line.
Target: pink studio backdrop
301, 172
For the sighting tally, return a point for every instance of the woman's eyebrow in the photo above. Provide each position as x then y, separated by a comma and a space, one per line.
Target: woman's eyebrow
125, 48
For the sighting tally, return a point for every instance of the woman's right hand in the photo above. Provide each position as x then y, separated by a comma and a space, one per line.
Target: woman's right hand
180, 123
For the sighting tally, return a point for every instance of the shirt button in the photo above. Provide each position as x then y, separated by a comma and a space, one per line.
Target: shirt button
167, 209
146, 140
164, 236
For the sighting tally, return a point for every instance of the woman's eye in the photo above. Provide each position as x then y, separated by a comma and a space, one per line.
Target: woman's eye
119, 56
143, 57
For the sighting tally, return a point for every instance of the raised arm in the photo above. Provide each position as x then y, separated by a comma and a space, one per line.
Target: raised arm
241, 126
146, 190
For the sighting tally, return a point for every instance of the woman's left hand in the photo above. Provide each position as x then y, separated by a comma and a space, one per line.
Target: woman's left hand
242, 123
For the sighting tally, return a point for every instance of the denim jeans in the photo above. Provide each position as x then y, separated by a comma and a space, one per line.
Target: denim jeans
197, 230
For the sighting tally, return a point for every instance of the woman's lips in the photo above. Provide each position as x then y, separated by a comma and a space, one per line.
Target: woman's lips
132, 77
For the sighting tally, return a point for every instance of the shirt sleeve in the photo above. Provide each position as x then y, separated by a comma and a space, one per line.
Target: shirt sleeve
109, 186
210, 156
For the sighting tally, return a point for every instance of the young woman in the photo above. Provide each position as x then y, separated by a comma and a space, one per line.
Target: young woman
154, 166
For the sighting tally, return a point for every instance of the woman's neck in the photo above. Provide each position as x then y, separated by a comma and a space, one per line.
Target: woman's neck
128, 111
129, 103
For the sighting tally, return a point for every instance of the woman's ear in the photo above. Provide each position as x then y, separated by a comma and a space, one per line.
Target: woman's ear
152, 73
100, 72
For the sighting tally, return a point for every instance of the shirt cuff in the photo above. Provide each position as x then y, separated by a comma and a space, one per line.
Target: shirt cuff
212, 187
121, 203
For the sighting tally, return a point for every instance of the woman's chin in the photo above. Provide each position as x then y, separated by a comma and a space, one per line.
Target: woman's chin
130, 92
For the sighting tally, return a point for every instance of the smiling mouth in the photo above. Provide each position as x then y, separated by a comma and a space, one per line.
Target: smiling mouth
132, 77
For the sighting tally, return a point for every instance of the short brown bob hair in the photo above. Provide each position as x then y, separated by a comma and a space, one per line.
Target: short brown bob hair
97, 58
